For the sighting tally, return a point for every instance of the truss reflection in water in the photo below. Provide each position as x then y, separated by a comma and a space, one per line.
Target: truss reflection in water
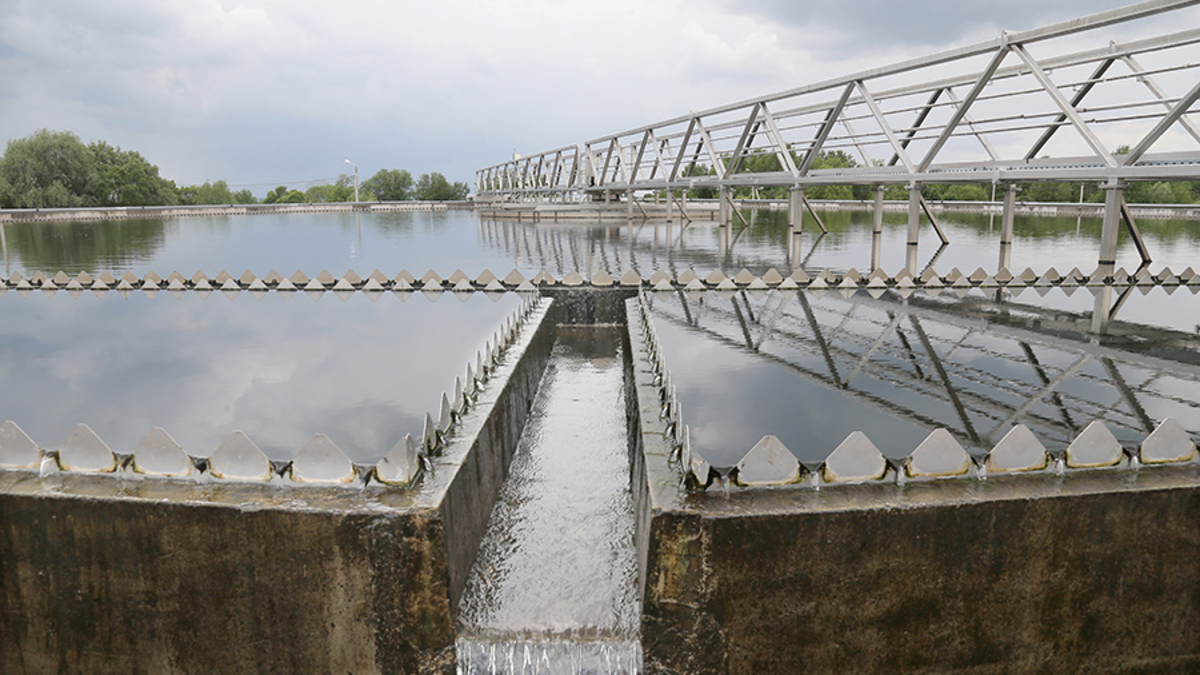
975, 366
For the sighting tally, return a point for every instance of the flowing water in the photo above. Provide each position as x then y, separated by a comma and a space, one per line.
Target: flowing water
554, 587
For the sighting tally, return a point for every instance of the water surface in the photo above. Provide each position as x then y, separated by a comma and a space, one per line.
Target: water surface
449, 240
554, 587
282, 367
813, 367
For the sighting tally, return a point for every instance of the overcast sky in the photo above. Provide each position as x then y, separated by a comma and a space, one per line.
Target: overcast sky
262, 92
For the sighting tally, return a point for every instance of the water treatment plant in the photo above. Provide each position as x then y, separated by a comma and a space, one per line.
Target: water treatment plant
597, 420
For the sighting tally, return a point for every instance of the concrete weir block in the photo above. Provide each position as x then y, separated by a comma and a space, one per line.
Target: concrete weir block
1017, 452
602, 279
84, 451
855, 460
1168, 443
938, 456
1094, 447
17, 449
322, 461
485, 278
401, 465
239, 459
697, 468
769, 462
160, 455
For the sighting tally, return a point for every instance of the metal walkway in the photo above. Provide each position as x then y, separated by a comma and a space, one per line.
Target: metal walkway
992, 112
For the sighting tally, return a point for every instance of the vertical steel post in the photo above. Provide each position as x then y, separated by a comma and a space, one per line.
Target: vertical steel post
877, 228
629, 204
795, 223
914, 227
1113, 193
796, 208
1006, 227
724, 211
1102, 310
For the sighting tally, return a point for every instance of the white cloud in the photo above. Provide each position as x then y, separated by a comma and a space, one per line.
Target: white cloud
260, 91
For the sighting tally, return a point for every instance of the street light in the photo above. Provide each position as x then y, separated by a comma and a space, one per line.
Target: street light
355, 180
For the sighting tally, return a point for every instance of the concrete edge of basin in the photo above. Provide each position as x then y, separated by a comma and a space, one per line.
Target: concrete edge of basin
1094, 570
104, 575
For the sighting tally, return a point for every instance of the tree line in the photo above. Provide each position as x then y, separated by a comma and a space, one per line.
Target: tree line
1161, 192
55, 169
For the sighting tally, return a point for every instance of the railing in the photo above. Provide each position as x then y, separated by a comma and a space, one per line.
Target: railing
990, 112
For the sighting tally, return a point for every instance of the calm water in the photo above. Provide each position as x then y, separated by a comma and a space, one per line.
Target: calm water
281, 368
812, 367
554, 589
450, 240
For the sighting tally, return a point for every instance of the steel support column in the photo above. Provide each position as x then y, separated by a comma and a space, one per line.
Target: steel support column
1006, 227
796, 208
725, 206
1113, 196
877, 227
914, 227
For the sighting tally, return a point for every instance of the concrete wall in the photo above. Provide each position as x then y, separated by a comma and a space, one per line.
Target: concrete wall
174, 578
1094, 571
479, 470
104, 575
142, 212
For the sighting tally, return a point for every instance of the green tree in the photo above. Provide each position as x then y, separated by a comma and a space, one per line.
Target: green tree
433, 187
275, 195
125, 178
206, 194
293, 197
835, 159
244, 196
47, 169
390, 185
342, 190
700, 192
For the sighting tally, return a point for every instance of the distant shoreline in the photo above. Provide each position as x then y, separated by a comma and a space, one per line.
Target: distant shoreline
578, 211
143, 212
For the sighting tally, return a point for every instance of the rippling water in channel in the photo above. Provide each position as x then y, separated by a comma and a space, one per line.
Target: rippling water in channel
554, 587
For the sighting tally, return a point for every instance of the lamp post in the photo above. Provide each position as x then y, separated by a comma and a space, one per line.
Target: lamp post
355, 180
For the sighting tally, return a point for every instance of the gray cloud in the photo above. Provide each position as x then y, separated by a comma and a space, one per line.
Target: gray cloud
923, 22
267, 91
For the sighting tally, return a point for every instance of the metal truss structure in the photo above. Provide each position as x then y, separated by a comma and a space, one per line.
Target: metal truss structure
923, 353
1025, 107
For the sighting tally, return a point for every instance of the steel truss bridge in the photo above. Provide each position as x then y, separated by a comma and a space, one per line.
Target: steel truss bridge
1025, 107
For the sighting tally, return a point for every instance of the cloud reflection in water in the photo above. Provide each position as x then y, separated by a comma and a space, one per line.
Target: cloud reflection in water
279, 368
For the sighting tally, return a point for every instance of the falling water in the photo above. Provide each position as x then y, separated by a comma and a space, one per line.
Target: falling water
554, 587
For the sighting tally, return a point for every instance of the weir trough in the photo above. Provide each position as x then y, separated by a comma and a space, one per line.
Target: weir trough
115, 572
1082, 570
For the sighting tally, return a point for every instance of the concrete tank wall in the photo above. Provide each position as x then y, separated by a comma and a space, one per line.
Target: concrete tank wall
100, 574
1093, 571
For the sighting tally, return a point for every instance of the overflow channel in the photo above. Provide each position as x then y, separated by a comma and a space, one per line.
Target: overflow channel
554, 588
